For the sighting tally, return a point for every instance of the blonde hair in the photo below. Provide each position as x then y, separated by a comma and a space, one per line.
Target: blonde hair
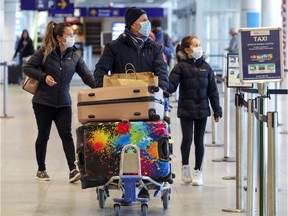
50, 37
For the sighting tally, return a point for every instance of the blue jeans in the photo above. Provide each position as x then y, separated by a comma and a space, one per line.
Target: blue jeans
62, 118
187, 133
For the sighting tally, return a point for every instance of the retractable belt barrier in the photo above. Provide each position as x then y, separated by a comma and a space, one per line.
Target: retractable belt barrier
226, 118
267, 151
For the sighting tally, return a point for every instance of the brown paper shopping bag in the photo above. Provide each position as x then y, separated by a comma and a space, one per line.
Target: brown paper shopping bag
130, 77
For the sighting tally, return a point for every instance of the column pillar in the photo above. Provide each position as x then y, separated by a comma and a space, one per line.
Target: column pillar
250, 13
1, 35
10, 8
271, 13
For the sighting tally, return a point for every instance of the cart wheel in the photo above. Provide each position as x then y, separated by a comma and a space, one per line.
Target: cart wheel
102, 198
117, 209
144, 209
166, 199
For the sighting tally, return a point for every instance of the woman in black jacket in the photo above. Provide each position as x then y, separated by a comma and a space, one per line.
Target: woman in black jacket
54, 65
197, 89
25, 47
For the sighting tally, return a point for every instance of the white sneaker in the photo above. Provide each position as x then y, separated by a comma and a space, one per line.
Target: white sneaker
197, 178
186, 176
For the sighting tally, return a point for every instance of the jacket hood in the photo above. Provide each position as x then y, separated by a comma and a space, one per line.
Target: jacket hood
181, 56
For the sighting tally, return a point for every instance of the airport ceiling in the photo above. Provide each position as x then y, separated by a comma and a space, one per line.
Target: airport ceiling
120, 3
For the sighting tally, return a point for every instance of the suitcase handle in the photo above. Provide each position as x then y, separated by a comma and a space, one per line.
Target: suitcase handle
151, 89
91, 94
137, 113
164, 149
91, 116
136, 90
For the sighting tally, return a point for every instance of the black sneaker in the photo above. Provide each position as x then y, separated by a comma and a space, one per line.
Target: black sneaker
42, 176
74, 176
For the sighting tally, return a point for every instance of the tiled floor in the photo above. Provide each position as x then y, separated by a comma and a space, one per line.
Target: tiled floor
22, 195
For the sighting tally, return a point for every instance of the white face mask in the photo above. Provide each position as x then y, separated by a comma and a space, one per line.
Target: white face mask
70, 41
197, 52
145, 28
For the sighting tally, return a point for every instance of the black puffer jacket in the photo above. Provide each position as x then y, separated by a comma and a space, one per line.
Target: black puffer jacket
121, 51
62, 70
197, 88
25, 50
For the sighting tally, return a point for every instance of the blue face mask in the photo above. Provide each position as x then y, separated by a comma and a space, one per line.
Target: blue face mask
145, 28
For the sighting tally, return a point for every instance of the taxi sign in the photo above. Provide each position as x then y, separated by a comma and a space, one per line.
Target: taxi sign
260, 55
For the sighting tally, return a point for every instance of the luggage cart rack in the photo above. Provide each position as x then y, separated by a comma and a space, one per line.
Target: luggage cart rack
131, 182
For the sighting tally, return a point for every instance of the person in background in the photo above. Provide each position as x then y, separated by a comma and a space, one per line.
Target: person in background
152, 37
198, 87
54, 65
163, 39
233, 45
24, 47
133, 46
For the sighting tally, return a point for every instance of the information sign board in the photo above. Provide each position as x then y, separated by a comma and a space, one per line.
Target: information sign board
233, 74
260, 55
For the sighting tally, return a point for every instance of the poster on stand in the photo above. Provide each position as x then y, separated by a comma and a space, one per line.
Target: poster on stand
260, 55
233, 74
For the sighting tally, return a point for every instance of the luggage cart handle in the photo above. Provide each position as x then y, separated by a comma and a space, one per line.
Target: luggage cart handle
131, 163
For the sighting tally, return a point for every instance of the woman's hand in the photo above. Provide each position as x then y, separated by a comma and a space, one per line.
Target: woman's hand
50, 81
217, 119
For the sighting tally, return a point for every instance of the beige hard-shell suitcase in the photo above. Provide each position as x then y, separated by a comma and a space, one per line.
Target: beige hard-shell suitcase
130, 102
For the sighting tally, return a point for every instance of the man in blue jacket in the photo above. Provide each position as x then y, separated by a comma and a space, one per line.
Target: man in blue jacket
135, 47
233, 45
163, 39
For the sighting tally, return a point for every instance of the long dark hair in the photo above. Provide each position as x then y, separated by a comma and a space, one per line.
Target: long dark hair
22, 35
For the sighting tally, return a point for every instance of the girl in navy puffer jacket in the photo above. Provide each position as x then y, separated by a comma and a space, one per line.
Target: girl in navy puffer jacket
197, 88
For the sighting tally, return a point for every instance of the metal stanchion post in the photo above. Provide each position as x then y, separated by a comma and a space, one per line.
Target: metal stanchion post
272, 163
276, 102
226, 157
251, 160
262, 152
227, 125
214, 132
224, 70
208, 131
5, 90
214, 135
239, 157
